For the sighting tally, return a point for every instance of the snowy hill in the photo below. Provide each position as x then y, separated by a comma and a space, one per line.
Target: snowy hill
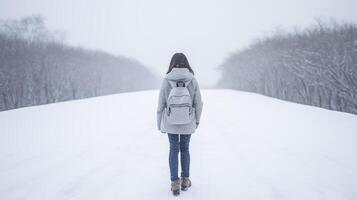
247, 147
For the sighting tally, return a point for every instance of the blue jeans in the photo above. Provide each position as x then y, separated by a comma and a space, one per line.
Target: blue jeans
179, 143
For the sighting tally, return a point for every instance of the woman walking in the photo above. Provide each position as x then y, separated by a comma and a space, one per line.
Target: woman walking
178, 115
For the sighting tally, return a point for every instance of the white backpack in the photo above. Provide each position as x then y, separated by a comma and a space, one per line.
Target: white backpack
179, 103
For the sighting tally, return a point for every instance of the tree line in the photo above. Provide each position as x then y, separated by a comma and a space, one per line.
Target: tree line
37, 67
315, 66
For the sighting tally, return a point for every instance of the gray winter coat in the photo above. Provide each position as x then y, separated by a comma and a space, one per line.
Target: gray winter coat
194, 90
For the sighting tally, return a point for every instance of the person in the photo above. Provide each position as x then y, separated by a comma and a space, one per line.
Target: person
180, 125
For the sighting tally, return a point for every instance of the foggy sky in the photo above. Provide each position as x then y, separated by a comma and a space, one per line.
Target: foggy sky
152, 30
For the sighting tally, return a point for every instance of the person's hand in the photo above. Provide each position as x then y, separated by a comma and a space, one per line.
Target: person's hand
161, 131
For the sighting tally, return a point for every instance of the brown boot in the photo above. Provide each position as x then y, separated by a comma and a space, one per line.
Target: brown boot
175, 187
185, 183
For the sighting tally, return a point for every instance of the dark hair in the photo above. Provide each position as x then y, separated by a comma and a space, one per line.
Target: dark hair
179, 60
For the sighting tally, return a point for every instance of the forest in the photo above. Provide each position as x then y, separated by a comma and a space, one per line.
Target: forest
38, 67
315, 66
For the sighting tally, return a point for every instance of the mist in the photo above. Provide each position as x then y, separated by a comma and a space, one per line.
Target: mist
151, 31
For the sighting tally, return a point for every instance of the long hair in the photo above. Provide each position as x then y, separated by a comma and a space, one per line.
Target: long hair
179, 60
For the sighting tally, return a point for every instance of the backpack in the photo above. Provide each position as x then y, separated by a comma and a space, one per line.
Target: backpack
179, 103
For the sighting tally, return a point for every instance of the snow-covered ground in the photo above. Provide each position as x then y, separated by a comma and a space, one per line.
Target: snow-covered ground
247, 147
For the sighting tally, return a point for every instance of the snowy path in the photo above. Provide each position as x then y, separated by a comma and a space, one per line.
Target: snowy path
247, 147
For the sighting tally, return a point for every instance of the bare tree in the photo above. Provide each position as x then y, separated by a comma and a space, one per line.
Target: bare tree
36, 67
315, 66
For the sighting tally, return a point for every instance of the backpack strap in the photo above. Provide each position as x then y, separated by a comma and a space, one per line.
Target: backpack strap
188, 82
173, 83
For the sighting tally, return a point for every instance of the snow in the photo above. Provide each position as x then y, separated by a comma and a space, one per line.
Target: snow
247, 147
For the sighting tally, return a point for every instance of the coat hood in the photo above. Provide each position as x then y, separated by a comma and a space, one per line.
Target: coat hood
179, 74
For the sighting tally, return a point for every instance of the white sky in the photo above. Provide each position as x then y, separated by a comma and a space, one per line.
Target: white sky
207, 31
